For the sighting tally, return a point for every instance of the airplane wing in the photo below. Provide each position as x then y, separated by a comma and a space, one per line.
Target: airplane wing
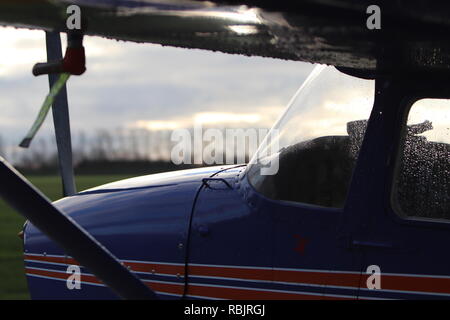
412, 35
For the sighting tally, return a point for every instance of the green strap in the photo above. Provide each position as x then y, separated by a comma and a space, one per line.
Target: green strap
44, 109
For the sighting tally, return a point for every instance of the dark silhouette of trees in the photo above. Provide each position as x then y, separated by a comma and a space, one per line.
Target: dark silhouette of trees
121, 150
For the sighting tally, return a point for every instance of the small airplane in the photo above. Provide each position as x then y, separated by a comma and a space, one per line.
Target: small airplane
359, 207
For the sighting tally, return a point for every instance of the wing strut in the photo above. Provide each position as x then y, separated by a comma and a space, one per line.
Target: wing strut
59, 70
60, 110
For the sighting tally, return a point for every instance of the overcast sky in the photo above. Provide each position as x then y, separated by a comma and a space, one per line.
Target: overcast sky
145, 85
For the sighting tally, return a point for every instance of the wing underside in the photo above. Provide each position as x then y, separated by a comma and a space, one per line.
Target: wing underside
412, 35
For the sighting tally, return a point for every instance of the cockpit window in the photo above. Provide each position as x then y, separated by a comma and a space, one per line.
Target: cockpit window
422, 184
316, 142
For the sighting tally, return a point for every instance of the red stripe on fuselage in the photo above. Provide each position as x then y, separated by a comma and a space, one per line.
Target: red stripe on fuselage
405, 283
411, 283
277, 275
253, 294
174, 288
148, 267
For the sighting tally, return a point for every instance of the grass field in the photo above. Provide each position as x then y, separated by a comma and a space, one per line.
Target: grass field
12, 279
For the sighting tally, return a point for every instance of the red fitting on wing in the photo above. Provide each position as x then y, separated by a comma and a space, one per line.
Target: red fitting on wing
74, 61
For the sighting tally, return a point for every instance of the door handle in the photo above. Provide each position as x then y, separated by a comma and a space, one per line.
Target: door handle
372, 244
400, 246
383, 245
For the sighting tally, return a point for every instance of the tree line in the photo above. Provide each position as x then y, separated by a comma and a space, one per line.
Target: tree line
103, 151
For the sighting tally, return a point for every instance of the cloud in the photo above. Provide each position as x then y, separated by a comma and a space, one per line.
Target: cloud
127, 82
20, 49
211, 119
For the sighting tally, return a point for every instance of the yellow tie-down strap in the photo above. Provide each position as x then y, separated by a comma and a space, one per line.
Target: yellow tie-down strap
48, 102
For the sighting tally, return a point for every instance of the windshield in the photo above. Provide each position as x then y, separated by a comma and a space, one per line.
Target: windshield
308, 156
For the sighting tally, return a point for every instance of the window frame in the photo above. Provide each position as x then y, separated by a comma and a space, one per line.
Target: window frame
397, 212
